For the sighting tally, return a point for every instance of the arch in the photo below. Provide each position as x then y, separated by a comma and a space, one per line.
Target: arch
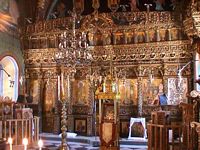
9, 65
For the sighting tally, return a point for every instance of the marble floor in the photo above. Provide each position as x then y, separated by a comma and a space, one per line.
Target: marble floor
52, 142
81, 146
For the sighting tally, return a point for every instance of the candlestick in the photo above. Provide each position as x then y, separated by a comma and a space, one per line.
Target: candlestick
25, 143
40, 144
10, 142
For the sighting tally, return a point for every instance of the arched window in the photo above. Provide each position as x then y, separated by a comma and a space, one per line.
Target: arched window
9, 74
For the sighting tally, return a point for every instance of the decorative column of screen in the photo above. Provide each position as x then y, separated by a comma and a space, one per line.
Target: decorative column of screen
140, 96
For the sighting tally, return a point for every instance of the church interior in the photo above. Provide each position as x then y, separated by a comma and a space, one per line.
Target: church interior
99, 74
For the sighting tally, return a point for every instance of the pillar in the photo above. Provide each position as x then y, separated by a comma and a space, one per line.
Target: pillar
140, 96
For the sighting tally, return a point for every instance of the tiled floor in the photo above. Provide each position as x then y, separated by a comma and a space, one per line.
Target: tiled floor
87, 147
52, 142
81, 146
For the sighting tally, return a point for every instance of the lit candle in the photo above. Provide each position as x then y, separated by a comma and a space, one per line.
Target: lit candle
40, 144
25, 143
10, 142
58, 87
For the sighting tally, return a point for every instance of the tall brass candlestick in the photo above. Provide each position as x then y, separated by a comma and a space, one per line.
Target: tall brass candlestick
63, 145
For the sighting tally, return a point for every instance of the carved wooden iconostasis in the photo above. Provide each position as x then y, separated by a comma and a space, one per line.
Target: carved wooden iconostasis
150, 51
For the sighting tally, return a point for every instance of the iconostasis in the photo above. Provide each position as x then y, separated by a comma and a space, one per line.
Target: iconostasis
128, 90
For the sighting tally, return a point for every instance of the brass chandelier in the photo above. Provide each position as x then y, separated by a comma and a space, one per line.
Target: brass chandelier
73, 46
72, 51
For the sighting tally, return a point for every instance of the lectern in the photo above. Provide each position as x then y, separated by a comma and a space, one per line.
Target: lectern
108, 96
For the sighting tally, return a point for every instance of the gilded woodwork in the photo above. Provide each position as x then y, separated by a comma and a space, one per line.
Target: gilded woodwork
192, 20
176, 49
136, 21
138, 48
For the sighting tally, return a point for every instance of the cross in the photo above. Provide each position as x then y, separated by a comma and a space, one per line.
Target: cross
148, 7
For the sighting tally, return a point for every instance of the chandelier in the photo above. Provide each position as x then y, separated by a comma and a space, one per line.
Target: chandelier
72, 51
73, 46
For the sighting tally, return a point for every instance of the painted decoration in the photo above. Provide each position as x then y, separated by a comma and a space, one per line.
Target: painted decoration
137, 128
177, 90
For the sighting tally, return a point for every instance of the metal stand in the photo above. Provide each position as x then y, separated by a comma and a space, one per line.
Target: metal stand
64, 145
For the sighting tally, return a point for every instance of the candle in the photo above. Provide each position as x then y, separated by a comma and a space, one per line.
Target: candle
62, 96
104, 87
10, 142
25, 143
40, 144
58, 87
68, 87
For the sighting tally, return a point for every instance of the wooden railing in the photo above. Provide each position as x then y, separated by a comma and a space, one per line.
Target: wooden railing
159, 137
18, 129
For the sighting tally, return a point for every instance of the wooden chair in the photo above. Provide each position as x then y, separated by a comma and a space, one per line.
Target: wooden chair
188, 116
159, 130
